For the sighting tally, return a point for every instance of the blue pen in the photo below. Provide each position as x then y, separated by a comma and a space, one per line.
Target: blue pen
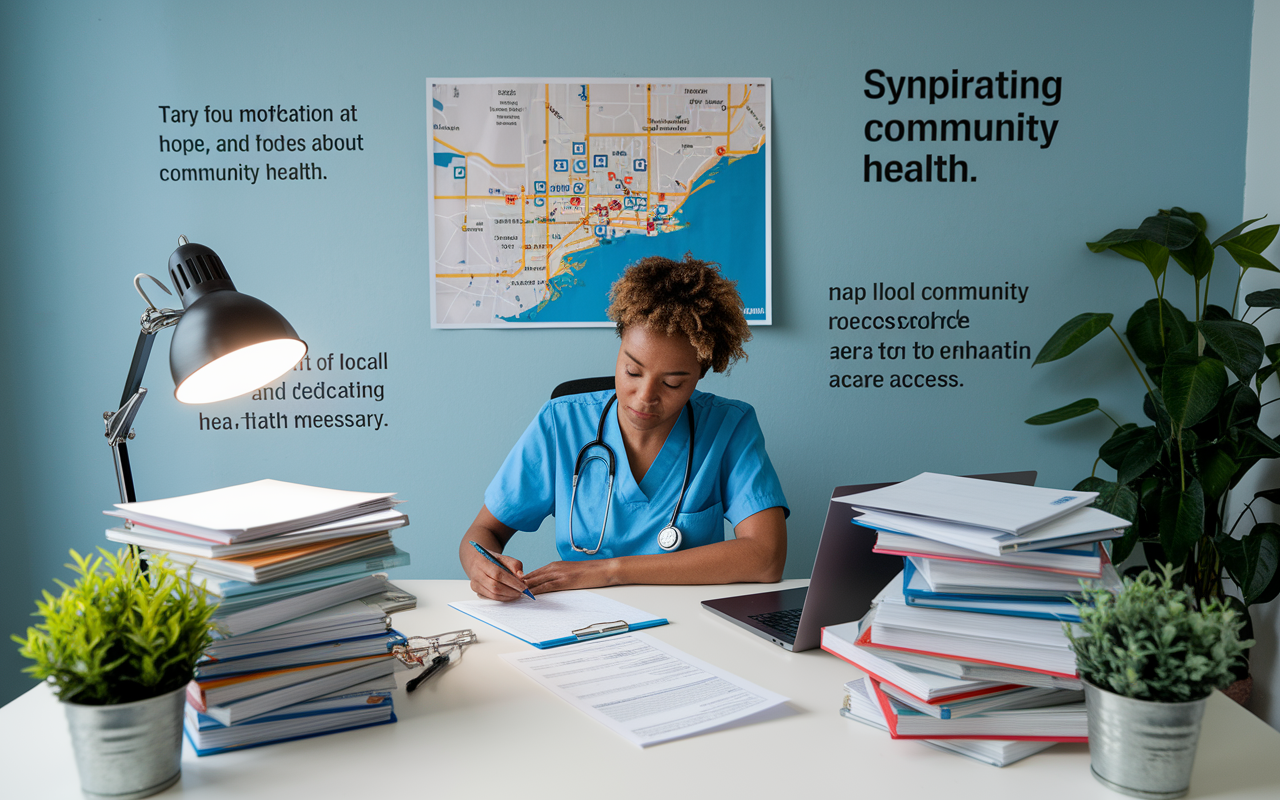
488, 555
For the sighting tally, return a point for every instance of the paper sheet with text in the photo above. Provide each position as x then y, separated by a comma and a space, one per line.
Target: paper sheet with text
646, 690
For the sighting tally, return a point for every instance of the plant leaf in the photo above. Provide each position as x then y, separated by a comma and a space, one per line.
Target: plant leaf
1121, 501
1197, 259
1153, 255
1268, 298
1248, 259
1144, 331
1201, 223
1256, 444
1258, 239
1234, 232
1070, 411
1172, 232
1117, 236
1238, 344
1116, 447
1214, 312
1070, 337
1217, 468
1272, 495
1143, 453
1191, 387
1181, 519
1244, 407
1254, 562
1154, 410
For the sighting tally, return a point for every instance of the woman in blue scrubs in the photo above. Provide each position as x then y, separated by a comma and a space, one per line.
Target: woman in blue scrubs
676, 320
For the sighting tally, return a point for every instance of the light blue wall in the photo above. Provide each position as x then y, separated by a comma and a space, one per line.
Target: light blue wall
1153, 113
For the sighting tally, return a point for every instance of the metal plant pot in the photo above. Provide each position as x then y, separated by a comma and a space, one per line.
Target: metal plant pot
128, 750
1142, 748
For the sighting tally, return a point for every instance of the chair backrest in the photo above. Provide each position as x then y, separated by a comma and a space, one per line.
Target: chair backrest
582, 386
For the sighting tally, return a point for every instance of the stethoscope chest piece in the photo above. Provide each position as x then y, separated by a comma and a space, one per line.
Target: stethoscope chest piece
670, 538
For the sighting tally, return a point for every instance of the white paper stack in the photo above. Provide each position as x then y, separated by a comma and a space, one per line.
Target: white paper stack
298, 572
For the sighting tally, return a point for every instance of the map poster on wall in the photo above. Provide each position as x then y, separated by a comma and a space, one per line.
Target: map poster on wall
541, 192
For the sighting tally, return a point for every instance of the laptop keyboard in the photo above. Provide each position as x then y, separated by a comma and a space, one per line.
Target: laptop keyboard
786, 621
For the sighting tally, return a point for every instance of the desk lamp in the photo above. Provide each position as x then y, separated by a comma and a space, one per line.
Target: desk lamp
225, 344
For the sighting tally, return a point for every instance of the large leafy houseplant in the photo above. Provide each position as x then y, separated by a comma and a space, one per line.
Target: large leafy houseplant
120, 633
1201, 378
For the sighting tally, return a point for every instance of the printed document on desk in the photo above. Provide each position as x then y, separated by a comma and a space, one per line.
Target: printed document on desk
1006, 507
648, 691
559, 618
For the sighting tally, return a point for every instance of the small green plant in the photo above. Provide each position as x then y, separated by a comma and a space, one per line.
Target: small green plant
118, 634
1151, 642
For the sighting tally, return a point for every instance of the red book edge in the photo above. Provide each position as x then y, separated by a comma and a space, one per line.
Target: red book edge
864, 640
195, 698
950, 698
992, 562
891, 719
195, 689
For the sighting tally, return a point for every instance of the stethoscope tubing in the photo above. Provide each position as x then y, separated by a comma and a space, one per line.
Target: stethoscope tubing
586, 457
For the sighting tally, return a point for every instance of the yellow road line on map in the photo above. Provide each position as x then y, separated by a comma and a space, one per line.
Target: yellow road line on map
498, 198
469, 275
586, 202
546, 173
708, 134
648, 140
728, 102
747, 152
477, 155
562, 241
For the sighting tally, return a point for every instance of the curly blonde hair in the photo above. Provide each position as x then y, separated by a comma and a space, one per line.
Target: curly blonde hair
688, 298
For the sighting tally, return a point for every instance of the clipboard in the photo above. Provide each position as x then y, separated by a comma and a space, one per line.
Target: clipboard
560, 618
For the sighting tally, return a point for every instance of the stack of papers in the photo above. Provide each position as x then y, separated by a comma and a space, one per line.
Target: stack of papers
861, 704
358, 706
968, 642
252, 510
1004, 507
991, 547
303, 645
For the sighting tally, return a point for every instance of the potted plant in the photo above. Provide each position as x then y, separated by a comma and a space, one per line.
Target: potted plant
119, 647
1150, 656
1200, 376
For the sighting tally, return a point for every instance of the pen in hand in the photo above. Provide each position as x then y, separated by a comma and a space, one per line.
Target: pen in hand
501, 566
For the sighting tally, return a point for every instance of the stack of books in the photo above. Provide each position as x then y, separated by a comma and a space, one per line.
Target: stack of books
965, 650
302, 633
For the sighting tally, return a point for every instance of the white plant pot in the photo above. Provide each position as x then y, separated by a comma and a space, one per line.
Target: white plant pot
1142, 748
129, 750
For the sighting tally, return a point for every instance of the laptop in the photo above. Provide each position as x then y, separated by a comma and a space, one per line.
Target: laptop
846, 578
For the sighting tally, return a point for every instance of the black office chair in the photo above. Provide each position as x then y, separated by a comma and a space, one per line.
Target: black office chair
582, 386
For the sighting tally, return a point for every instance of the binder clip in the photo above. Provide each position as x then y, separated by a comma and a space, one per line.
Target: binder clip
601, 629
432, 652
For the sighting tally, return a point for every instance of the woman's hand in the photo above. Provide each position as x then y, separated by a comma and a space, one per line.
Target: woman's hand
488, 579
560, 575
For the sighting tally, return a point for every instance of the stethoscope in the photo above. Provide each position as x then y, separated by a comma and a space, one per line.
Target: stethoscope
669, 538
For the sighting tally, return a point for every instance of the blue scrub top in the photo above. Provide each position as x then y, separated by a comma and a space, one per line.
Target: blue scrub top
732, 477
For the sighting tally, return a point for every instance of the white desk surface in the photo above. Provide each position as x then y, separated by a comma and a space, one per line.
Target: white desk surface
481, 729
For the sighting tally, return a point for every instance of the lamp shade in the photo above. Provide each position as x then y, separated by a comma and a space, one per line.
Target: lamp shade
227, 343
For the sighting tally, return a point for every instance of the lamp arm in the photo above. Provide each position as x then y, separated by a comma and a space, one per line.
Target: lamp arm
119, 423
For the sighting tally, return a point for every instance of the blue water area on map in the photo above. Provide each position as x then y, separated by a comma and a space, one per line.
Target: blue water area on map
723, 222
438, 105
444, 159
